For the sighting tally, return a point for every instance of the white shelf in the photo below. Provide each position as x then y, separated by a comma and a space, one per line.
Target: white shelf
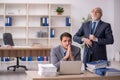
27, 27
61, 27
1, 9
20, 38
14, 9
38, 9
67, 9
12, 27
44, 27
19, 15
55, 38
55, 15
1, 26
37, 38
1, 14
37, 15
1, 20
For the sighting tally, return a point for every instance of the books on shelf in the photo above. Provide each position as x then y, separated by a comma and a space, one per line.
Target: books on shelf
4, 59
98, 64
68, 21
107, 72
30, 58
42, 34
52, 33
8, 21
44, 21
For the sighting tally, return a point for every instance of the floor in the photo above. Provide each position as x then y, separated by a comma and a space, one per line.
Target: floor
9, 75
19, 74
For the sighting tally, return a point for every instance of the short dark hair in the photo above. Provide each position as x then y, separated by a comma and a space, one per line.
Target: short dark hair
65, 34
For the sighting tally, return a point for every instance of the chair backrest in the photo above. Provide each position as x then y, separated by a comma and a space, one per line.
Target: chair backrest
7, 39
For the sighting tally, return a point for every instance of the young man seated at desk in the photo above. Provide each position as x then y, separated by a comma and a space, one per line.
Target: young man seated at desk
64, 52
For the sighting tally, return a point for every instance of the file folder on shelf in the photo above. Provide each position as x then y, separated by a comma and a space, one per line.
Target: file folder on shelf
8, 21
68, 21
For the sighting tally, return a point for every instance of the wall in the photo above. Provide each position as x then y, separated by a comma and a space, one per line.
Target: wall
80, 9
116, 45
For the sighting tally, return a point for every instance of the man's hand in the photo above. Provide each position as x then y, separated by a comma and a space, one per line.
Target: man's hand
69, 53
92, 37
88, 42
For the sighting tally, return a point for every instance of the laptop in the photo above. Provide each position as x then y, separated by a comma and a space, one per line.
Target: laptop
70, 67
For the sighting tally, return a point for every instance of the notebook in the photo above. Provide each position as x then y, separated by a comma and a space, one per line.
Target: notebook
70, 67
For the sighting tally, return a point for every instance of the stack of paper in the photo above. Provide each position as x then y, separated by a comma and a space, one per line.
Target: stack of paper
47, 70
91, 66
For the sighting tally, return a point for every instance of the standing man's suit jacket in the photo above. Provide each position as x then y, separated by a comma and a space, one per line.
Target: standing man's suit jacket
104, 35
57, 54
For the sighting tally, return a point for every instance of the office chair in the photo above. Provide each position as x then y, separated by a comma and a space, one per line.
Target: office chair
8, 40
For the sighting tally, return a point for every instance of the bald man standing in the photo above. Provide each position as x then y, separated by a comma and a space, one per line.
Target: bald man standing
96, 34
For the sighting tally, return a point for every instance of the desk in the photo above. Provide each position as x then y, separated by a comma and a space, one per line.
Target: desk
33, 75
24, 51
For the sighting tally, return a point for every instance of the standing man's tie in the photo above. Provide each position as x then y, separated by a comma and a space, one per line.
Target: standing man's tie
93, 27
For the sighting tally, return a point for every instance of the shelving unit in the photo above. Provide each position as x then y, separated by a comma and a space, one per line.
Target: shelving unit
58, 22
1, 21
18, 13
27, 27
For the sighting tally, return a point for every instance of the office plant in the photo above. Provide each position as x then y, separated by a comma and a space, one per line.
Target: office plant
59, 10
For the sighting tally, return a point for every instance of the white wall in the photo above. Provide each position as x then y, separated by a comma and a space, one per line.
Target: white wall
116, 45
81, 8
